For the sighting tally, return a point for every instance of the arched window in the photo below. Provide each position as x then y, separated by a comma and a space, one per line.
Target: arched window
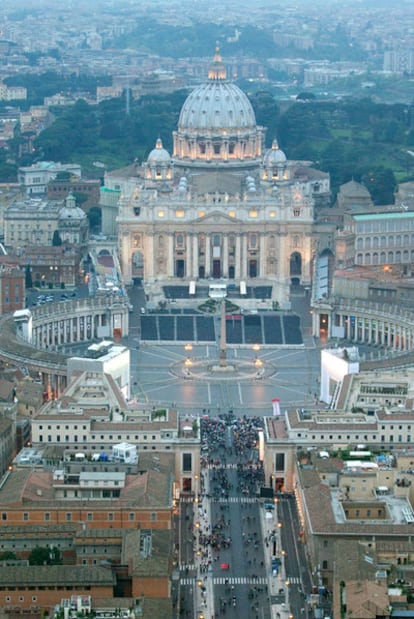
360, 243
160, 241
272, 241
359, 259
383, 257
375, 242
367, 258
216, 240
179, 241
368, 243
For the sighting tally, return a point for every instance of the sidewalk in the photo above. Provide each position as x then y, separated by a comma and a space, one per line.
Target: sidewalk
277, 587
203, 591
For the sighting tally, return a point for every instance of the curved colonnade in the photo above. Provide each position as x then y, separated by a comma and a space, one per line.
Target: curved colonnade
364, 322
59, 324
83, 320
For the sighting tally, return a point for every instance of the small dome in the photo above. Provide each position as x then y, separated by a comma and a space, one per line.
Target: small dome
159, 154
70, 210
274, 155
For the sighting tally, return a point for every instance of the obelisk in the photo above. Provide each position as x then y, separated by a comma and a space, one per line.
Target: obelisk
223, 343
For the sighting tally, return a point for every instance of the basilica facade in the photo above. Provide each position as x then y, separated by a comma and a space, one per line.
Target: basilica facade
220, 206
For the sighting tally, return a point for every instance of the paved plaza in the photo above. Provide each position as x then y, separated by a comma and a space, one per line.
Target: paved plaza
165, 374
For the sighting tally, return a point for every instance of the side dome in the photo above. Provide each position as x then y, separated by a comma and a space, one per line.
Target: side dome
159, 154
274, 155
218, 104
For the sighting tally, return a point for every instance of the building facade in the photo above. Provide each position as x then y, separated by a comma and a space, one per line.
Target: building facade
221, 206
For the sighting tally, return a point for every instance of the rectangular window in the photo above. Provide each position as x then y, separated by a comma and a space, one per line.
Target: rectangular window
68, 517
110, 516
25, 516
187, 462
89, 516
131, 516
280, 462
47, 516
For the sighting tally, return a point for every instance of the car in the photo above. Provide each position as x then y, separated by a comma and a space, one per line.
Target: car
269, 505
63, 296
73, 294
50, 298
224, 566
41, 297
276, 561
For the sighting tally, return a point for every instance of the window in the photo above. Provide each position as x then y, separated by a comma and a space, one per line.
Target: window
89, 516
187, 462
280, 462
131, 516
47, 516
25, 516
153, 516
68, 517
110, 516
4, 516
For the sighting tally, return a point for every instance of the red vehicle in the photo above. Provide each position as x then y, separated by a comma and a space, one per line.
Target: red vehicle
224, 566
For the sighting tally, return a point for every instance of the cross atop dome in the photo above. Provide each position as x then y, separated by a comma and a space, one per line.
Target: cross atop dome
217, 70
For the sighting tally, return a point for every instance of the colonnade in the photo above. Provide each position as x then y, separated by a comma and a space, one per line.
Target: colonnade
365, 322
78, 321
61, 331
195, 255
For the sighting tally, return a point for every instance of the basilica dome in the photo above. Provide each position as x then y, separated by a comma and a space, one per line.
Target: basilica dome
217, 125
217, 104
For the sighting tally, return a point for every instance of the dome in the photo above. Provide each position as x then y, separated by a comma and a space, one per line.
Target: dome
159, 154
274, 155
70, 211
218, 104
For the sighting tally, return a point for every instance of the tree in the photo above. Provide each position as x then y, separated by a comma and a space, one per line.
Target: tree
381, 184
56, 240
42, 555
64, 175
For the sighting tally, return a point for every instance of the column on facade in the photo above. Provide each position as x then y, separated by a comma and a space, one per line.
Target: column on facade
376, 332
149, 256
237, 259
195, 255
244, 256
208, 256
188, 255
225, 271
363, 329
170, 255
126, 256
262, 256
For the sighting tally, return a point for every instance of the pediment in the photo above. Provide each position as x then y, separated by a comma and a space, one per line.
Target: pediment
217, 217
